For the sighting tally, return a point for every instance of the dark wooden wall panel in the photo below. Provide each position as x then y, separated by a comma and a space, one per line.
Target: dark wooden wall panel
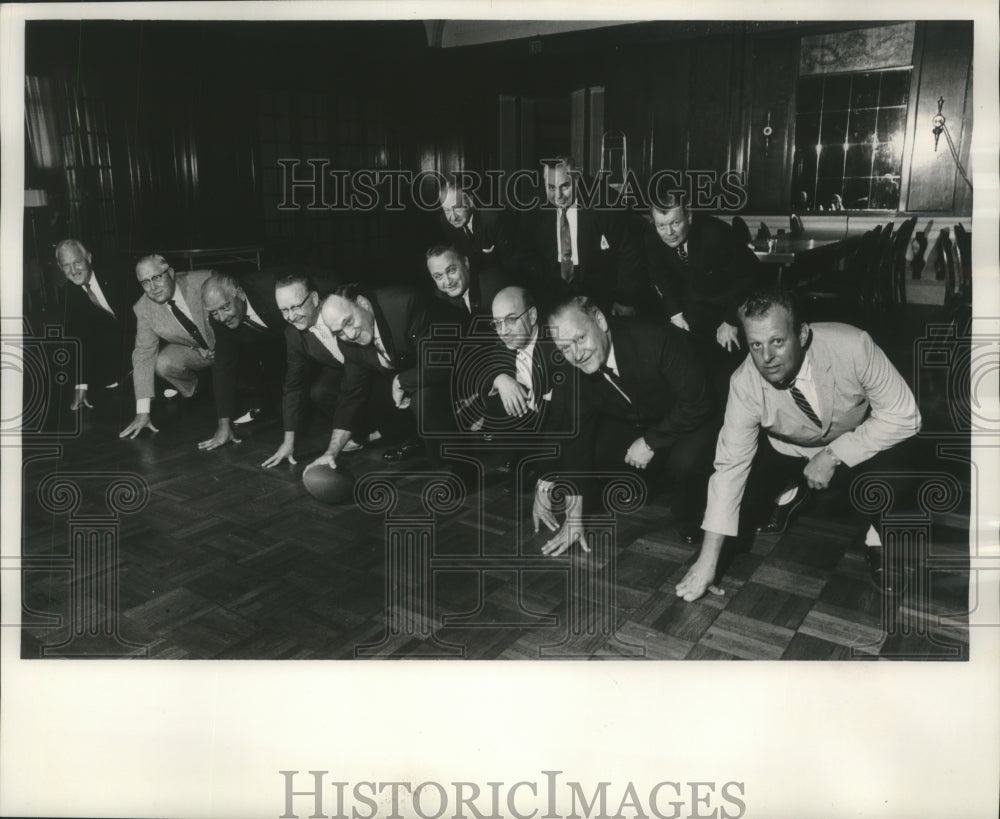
772, 71
945, 72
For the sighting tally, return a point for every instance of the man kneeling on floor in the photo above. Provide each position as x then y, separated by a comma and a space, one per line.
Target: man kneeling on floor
807, 401
645, 402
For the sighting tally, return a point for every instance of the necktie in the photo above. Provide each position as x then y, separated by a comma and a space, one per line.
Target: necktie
187, 324
682, 254
383, 356
253, 325
614, 380
468, 231
803, 404
94, 300
522, 366
565, 247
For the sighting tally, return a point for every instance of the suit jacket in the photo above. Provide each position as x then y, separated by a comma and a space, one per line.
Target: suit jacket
483, 287
491, 245
865, 407
304, 352
103, 337
610, 265
264, 346
669, 390
551, 378
404, 317
156, 323
720, 273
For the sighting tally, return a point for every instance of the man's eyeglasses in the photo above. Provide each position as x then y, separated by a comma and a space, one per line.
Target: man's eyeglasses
155, 280
295, 308
507, 321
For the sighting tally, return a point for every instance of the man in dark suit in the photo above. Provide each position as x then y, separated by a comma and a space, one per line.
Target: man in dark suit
645, 401
95, 313
482, 236
467, 292
173, 337
249, 340
702, 273
568, 247
379, 333
314, 361
520, 384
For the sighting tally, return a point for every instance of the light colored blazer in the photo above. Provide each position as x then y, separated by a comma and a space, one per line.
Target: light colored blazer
865, 408
156, 323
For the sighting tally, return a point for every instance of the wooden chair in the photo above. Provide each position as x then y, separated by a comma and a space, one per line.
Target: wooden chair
899, 247
742, 231
957, 307
844, 293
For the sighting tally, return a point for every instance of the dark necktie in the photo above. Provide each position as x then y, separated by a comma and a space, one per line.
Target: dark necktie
565, 246
804, 405
682, 254
615, 380
468, 231
187, 324
94, 300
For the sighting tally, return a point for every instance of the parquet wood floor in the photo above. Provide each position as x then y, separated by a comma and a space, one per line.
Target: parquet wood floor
230, 561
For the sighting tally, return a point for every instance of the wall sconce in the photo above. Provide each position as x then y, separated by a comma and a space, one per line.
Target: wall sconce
938, 121
768, 130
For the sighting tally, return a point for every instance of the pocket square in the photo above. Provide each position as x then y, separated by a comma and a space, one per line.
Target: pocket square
604, 242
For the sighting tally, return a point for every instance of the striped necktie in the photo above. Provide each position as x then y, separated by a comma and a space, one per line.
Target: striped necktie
682, 254
187, 324
803, 404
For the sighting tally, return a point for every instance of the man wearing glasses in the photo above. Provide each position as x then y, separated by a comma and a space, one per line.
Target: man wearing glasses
314, 361
529, 393
173, 338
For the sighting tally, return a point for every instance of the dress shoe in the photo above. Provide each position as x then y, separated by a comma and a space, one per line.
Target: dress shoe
777, 523
407, 449
890, 582
690, 533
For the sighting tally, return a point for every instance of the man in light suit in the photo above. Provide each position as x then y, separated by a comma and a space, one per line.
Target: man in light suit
567, 247
808, 403
95, 313
249, 338
644, 402
173, 339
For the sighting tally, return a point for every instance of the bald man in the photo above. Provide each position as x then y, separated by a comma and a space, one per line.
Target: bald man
173, 339
379, 333
249, 339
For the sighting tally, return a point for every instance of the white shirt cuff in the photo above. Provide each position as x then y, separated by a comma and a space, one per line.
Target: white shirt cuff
142, 406
81, 386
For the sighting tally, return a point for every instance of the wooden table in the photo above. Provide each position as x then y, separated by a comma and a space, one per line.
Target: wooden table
212, 256
816, 246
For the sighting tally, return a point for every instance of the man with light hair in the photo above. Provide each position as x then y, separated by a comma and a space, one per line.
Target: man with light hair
482, 236
95, 313
174, 338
